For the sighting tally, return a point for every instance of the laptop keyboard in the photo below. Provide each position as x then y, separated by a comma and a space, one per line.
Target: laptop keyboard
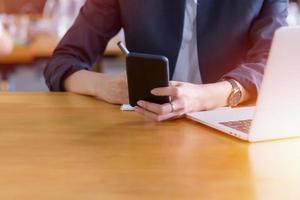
242, 125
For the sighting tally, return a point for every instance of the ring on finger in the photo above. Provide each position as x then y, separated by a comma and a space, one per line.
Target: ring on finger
172, 107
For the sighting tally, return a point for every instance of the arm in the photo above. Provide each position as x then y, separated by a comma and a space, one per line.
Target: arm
249, 74
112, 89
188, 97
96, 24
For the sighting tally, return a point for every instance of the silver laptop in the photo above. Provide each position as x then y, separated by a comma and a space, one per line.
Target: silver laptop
277, 112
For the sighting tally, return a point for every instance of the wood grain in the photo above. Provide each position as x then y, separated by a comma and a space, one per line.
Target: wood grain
66, 146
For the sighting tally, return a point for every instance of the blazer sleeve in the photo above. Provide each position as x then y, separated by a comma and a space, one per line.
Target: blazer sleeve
87, 39
249, 74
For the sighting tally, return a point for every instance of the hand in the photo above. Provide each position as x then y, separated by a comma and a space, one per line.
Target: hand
114, 89
186, 97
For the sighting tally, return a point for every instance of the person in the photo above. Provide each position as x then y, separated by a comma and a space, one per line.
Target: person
217, 50
6, 44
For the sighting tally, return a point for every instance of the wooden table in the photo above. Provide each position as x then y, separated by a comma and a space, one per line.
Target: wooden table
66, 146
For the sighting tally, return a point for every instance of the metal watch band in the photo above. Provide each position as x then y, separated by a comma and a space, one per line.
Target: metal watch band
235, 86
236, 93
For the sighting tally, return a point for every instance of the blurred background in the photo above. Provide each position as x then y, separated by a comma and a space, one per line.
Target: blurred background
30, 30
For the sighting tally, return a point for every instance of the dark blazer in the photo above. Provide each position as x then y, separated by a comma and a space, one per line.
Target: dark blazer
234, 36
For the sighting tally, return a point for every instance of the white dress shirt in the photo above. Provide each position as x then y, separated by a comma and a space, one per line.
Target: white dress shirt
187, 66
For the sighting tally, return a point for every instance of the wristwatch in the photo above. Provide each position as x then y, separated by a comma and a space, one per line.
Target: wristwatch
236, 94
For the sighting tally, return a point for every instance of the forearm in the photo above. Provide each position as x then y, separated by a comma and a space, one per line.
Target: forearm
84, 82
186, 98
250, 72
112, 89
219, 93
81, 46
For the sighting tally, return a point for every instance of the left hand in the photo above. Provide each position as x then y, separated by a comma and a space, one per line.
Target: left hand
186, 97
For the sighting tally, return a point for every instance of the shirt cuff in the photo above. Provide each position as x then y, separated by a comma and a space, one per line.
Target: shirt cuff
56, 80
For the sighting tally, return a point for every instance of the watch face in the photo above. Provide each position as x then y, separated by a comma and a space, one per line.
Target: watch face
235, 98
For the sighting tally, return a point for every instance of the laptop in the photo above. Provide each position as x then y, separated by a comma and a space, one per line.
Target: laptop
277, 112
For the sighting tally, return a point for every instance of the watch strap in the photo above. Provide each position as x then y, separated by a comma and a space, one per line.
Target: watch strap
236, 93
235, 86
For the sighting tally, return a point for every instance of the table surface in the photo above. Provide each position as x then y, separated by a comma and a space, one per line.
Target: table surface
66, 146
43, 46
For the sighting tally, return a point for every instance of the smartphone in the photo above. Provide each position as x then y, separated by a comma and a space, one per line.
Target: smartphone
144, 73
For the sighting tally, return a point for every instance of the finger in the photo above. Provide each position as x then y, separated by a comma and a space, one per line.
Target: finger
174, 106
155, 117
178, 105
165, 91
156, 108
175, 83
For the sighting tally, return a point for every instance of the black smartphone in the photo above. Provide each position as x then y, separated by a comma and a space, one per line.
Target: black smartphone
144, 73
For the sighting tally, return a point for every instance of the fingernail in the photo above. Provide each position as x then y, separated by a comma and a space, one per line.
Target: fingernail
153, 92
140, 103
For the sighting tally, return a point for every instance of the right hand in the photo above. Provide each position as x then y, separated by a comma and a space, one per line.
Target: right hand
114, 89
